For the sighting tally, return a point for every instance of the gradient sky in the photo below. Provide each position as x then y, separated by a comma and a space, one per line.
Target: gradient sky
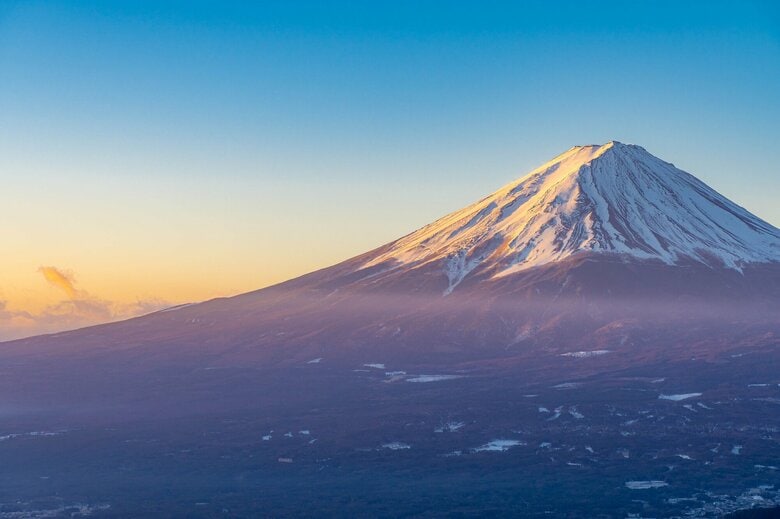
160, 152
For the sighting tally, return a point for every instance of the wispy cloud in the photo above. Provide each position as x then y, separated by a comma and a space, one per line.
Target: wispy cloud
79, 309
60, 279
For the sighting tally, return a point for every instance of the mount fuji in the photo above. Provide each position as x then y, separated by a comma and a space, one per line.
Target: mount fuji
613, 199
615, 202
607, 325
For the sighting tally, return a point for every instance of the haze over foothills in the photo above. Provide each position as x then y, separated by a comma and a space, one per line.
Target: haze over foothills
153, 154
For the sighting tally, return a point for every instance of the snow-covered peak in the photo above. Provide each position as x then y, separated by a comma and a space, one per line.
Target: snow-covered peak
612, 199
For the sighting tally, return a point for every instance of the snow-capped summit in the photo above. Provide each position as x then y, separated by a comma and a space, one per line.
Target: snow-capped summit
610, 199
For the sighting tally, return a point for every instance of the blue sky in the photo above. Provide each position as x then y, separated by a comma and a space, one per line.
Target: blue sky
144, 145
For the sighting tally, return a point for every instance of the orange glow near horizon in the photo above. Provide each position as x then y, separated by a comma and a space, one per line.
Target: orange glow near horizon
50, 298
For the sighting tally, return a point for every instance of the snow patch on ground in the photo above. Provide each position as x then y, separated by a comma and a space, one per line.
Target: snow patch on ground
498, 446
557, 414
585, 354
644, 485
432, 378
449, 427
33, 434
568, 385
677, 398
74, 510
396, 446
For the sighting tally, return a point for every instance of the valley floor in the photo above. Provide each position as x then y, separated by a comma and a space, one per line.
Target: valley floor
382, 440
